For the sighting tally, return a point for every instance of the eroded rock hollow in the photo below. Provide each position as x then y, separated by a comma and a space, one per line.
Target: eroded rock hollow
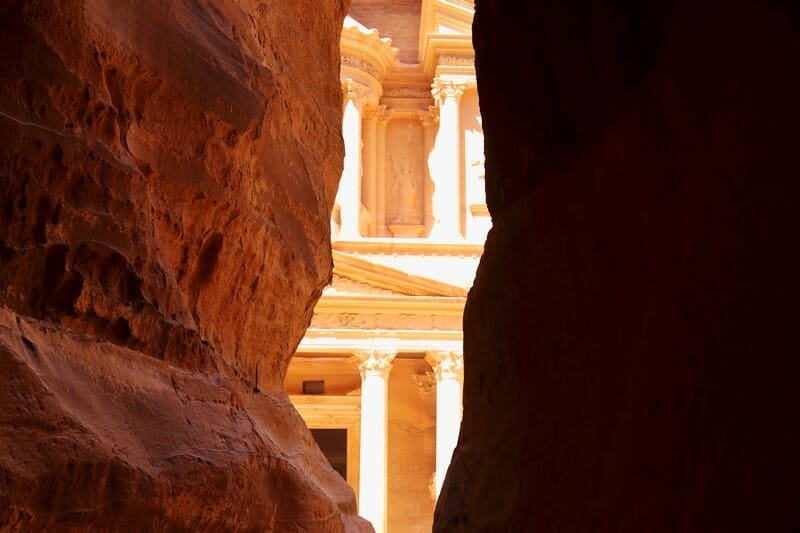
630, 340
167, 171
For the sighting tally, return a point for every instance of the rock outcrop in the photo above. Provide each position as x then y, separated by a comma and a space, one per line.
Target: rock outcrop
630, 339
166, 175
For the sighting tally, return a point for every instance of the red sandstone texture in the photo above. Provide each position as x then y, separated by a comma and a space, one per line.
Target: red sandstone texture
166, 174
631, 347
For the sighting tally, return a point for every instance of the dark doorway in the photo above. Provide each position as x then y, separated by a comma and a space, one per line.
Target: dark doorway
333, 443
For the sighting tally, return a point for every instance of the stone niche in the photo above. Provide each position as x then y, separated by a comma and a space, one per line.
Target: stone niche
405, 178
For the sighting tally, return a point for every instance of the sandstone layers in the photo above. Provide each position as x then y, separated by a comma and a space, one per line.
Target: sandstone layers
631, 338
166, 174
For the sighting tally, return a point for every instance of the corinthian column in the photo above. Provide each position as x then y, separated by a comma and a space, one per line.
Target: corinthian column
374, 366
449, 370
349, 194
446, 172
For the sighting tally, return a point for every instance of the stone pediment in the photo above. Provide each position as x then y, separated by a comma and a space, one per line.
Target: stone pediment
348, 287
353, 274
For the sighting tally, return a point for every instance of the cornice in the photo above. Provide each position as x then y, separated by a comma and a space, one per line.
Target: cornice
391, 246
364, 50
457, 12
391, 304
410, 344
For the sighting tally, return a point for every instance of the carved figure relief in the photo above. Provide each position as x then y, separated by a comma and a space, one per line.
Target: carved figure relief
405, 190
404, 176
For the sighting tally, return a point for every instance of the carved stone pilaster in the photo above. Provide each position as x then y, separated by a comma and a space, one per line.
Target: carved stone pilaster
446, 365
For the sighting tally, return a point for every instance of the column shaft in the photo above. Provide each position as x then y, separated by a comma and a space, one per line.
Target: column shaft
446, 171
349, 194
372, 498
448, 367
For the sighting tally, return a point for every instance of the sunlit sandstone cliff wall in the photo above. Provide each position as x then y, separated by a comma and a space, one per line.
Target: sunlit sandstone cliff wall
166, 175
631, 338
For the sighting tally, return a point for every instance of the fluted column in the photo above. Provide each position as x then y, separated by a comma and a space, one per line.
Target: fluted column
446, 172
449, 370
384, 116
349, 194
374, 366
429, 119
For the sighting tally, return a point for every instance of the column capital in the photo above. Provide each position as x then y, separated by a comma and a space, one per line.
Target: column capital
444, 89
377, 112
446, 364
383, 114
374, 361
429, 117
353, 90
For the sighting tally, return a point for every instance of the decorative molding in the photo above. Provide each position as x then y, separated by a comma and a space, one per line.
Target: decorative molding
392, 246
406, 92
361, 64
457, 61
327, 342
374, 319
364, 50
446, 364
341, 286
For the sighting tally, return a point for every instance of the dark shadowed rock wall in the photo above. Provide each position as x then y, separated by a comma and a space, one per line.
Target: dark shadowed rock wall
166, 174
631, 346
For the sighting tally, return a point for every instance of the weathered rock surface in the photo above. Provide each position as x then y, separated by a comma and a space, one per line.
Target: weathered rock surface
630, 340
166, 174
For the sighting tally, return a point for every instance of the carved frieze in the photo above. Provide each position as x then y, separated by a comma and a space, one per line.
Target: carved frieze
377, 320
406, 92
460, 61
361, 64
